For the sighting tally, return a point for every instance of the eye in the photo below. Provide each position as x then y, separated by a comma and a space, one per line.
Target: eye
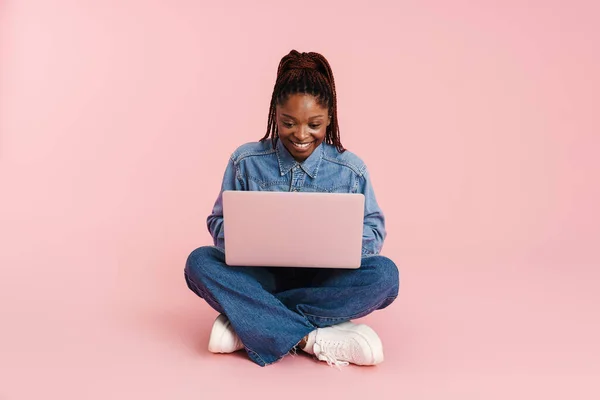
287, 124
315, 126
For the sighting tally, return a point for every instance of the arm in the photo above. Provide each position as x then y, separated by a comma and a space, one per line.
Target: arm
374, 223
231, 181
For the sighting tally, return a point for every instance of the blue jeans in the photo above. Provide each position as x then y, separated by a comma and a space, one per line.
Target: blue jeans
272, 309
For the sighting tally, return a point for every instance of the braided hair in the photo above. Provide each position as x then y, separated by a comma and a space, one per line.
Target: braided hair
311, 74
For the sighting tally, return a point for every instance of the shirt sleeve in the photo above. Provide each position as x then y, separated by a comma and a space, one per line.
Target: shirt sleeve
231, 181
374, 232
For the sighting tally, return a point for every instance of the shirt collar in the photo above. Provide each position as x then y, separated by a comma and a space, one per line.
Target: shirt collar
310, 165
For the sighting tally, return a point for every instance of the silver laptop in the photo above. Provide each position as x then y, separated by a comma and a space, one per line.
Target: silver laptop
293, 229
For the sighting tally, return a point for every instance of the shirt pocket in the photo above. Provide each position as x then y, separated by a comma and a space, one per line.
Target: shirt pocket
280, 185
343, 188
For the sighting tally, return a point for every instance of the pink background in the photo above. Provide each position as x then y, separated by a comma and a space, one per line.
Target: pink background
479, 123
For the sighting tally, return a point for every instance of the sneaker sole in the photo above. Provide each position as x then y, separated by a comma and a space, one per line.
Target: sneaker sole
368, 334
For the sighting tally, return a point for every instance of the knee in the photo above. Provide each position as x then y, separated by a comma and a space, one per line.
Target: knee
199, 261
388, 274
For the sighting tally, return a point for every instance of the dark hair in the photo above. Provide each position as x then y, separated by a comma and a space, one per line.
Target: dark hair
308, 73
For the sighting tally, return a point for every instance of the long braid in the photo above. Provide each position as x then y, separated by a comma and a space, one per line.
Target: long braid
308, 73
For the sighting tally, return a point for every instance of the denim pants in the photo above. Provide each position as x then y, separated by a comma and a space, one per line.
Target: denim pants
272, 309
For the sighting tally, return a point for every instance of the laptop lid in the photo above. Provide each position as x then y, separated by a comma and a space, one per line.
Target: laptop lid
293, 229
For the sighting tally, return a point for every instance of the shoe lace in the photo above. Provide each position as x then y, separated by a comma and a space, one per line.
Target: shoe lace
331, 352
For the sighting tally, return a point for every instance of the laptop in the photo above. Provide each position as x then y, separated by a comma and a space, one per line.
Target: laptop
293, 229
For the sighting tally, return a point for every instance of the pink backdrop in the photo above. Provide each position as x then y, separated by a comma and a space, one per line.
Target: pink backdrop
479, 123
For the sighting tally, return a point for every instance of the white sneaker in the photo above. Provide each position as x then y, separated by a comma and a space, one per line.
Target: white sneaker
345, 343
223, 338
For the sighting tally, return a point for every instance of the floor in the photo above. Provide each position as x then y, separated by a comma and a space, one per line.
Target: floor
468, 331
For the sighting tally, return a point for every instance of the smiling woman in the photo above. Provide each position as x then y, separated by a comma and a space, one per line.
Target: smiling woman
270, 311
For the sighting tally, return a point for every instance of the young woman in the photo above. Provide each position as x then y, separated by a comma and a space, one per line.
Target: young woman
272, 311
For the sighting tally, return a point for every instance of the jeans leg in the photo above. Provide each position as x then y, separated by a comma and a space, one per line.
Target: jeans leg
339, 295
266, 327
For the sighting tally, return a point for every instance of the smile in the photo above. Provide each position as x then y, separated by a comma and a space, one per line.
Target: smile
302, 145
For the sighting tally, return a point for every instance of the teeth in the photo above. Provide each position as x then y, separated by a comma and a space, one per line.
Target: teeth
302, 146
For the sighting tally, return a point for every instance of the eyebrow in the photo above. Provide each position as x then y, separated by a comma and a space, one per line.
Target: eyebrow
313, 117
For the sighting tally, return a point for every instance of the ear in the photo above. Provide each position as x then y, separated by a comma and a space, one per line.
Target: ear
329, 120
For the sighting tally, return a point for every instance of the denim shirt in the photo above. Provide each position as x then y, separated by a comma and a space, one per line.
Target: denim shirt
257, 166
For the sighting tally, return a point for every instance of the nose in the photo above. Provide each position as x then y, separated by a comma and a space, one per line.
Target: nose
302, 133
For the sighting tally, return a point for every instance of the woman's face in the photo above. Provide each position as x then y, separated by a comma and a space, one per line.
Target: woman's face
302, 123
